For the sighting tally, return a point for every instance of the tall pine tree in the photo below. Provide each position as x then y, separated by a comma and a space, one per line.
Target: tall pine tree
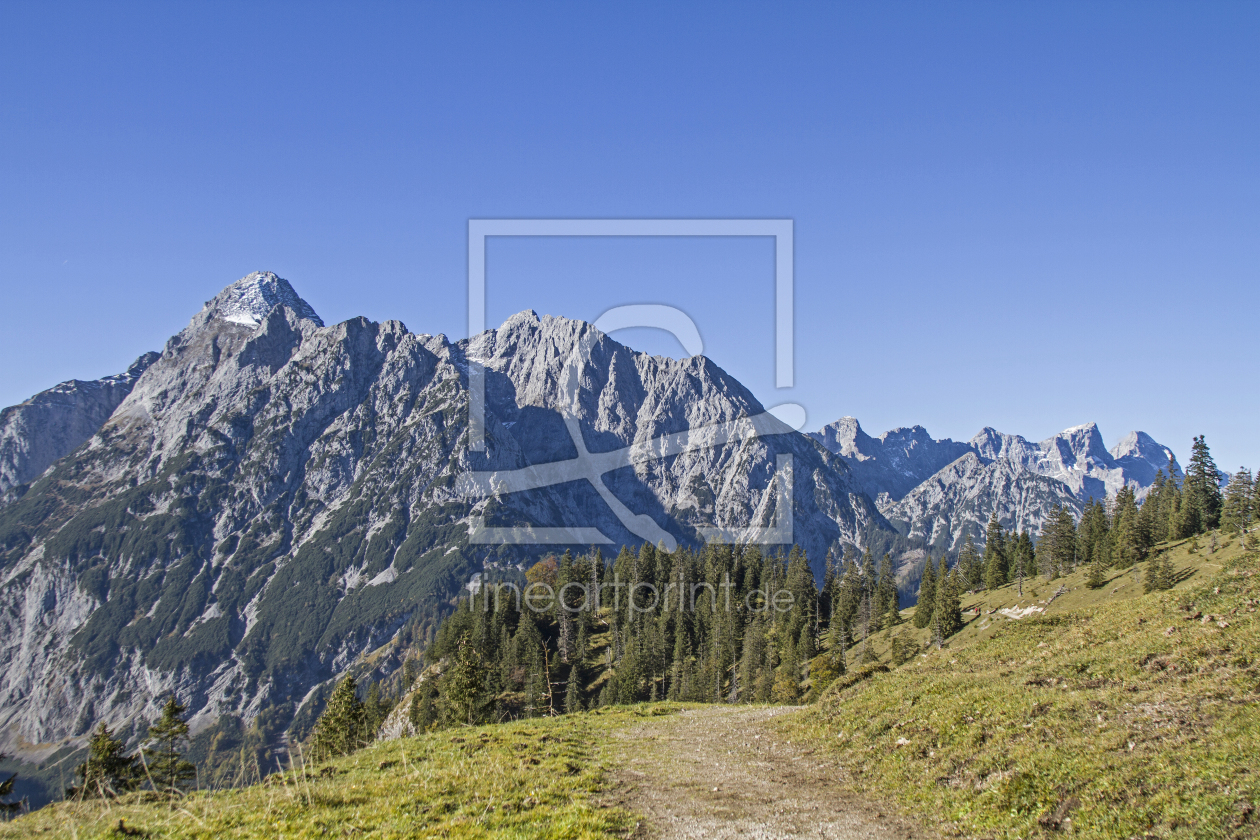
1202, 487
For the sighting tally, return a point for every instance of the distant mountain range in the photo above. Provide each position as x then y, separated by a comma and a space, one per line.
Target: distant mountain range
270, 500
941, 490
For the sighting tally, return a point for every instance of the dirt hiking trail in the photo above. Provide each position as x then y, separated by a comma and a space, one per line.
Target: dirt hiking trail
721, 771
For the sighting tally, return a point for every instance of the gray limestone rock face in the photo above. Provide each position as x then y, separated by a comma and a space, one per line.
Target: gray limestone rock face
1078, 458
895, 462
1141, 458
961, 498
53, 423
272, 499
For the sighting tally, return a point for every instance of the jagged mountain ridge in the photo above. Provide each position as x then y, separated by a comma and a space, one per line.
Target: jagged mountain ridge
901, 459
275, 498
938, 491
1079, 458
894, 463
50, 425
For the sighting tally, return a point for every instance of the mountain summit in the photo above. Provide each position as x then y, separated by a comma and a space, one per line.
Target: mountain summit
248, 300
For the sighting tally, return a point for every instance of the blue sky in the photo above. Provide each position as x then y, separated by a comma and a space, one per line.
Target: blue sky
1020, 215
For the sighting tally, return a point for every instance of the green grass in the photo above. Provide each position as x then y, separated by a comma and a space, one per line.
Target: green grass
1111, 708
536, 778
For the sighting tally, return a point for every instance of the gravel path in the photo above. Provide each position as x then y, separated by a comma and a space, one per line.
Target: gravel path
721, 772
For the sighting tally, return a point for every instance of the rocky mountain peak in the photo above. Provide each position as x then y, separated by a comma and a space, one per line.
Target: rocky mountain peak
1142, 456
1081, 442
893, 463
846, 438
248, 300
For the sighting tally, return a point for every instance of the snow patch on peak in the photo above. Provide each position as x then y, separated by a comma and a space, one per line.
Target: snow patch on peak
248, 300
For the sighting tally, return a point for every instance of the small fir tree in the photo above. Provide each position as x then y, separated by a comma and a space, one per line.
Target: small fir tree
8, 809
903, 648
108, 771
1023, 563
341, 729
422, 709
806, 648
947, 619
995, 559
1160, 575
167, 767
1129, 541
1097, 575
573, 691
463, 686
375, 709
969, 565
888, 606
927, 596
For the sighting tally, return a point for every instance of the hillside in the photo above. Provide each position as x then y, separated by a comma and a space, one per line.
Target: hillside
1123, 712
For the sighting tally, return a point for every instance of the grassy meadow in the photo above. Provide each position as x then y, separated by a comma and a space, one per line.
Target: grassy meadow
1113, 713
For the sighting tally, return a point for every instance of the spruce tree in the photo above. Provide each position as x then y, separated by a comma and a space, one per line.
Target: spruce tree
870, 592
1203, 485
573, 691
463, 686
969, 564
838, 642
167, 767
1029, 551
422, 709
1093, 536
889, 607
1097, 575
1237, 513
947, 619
1022, 559
375, 709
927, 596
806, 649
1056, 548
108, 771
1129, 542
995, 560
340, 729
1152, 512
1160, 575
